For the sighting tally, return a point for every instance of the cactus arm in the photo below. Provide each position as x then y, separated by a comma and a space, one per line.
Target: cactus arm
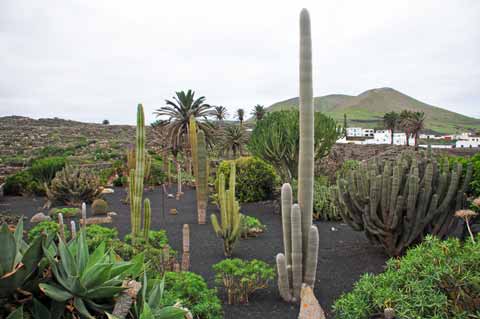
283, 280
286, 198
147, 218
311, 266
297, 254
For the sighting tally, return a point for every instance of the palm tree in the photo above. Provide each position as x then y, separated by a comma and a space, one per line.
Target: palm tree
234, 139
415, 123
219, 112
258, 112
405, 124
390, 122
240, 115
178, 113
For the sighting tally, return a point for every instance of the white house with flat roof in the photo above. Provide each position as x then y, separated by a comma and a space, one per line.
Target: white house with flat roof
470, 141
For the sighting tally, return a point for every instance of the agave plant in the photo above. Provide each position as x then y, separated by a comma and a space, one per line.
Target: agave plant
19, 262
149, 302
86, 282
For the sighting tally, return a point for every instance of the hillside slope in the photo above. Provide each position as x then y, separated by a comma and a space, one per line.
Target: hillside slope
368, 108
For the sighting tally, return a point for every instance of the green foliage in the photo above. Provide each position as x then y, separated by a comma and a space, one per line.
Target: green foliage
347, 166
436, 279
120, 181
255, 180
44, 170
18, 183
105, 174
193, 293
241, 278
99, 207
275, 139
50, 228
96, 234
19, 261
250, 226
157, 175
51, 150
475, 162
325, 207
73, 185
67, 212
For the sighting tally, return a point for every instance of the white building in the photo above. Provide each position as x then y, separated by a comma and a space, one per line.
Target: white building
470, 141
384, 137
360, 132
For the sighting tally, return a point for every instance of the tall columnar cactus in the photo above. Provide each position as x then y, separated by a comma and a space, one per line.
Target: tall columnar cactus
202, 178
299, 263
192, 127
186, 248
147, 218
229, 227
397, 202
137, 176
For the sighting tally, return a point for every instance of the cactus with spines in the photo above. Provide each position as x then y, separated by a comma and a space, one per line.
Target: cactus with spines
84, 215
397, 202
136, 179
198, 148
73, 229
298, 264
61, 229
147, 218
229, 226
186, 247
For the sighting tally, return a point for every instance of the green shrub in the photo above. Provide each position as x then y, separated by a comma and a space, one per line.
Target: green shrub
99, 207
97, 234
241, 278
18, 183
475, 161
437, 279
157, 175
193, 293
255, 179
120, 181
66, 211
44, 170
250, 226
347, 166
105, 174
325, 207
47, 227
156, 238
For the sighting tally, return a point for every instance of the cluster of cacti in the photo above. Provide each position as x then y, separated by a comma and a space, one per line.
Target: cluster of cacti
198, 148
300, 238
229, 227
137, 176
398, 202
72, 186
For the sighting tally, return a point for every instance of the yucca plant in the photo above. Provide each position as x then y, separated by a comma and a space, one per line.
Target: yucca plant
87, 283
19, 262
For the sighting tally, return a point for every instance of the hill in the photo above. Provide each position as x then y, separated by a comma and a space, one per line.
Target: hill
368, 108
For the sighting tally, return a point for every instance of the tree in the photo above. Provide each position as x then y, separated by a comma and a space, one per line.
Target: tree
344, 131
275, 139
106, 122
240, 115
178, 113
259, 112
390, 122
219, 112
414, 122
234, 138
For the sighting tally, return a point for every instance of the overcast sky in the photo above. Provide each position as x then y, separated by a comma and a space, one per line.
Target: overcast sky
95, 60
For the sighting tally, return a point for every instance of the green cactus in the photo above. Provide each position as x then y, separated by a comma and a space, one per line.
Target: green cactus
397, 202
229, 228
300, 238
147, 218
137, 176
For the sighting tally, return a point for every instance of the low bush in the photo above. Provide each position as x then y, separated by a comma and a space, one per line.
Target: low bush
120, 181
475, 162
193, 293
18, 183
96, 234
250, 226
157, 175
44, 170
67, 212
241, 278
436, 279
255, 179
47, 227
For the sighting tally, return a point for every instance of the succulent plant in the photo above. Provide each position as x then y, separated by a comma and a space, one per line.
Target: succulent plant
229, 227
72, 186
396, 203
99, 207
88, 282
19, 261
300, 238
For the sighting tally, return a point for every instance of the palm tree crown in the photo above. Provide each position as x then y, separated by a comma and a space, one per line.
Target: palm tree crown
240, 115
219, 112
234, 139
390, 122
258, 112
178, 113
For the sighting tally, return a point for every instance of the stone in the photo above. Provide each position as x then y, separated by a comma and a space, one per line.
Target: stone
111, 214
309, 306
173, 211
108, 191
40, 217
